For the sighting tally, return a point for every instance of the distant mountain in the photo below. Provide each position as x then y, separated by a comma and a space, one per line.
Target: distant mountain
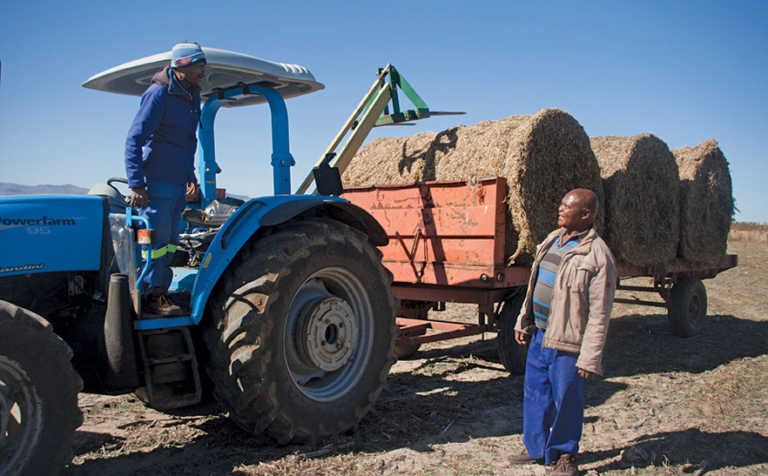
16, 189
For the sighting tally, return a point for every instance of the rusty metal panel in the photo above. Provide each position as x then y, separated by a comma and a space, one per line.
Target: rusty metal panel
442, 233
468, 221
447, 250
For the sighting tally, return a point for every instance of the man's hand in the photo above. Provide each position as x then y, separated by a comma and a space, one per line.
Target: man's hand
521, 338
193, 192
586, 374
138, 197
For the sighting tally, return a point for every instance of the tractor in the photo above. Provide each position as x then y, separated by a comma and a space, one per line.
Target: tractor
291, 317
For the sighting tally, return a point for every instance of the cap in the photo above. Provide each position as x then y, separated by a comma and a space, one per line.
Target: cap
186, 53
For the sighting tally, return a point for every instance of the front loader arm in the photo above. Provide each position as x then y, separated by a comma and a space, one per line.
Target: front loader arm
375, 112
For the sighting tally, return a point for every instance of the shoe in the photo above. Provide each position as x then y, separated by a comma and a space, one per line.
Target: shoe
181, 299
161, 305
524, 458
565, 466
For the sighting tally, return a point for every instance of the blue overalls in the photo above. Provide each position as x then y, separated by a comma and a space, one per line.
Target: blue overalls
166, 202
159, 154
553, 401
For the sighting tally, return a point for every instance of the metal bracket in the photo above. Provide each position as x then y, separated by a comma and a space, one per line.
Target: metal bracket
418, 236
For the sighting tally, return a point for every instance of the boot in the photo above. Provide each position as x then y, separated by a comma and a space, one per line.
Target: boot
565, 466
161, 305
524, 458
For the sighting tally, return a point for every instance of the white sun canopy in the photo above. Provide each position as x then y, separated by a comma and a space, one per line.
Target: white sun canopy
225, 69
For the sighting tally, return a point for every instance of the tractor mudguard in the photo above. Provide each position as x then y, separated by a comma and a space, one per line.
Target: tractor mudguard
269, 211
48, 233
341, 210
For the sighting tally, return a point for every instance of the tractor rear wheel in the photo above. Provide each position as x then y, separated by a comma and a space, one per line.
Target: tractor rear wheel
303, 331
511, 354
38, 395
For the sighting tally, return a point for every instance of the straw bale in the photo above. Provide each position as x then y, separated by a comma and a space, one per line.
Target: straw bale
393, 160
641, 184
706, 203
542, 156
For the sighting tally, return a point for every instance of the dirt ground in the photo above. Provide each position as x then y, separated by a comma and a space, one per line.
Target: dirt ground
666, 406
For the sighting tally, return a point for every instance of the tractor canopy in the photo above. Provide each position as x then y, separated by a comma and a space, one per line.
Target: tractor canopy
224, 70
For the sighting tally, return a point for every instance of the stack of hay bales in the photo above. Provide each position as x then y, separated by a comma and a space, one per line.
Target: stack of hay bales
641, 185
542, 157
706, 202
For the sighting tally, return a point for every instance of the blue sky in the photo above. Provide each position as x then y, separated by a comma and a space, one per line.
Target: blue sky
685, 71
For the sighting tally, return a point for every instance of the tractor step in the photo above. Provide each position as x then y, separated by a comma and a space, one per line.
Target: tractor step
171, 376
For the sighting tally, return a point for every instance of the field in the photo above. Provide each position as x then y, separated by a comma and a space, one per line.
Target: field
666, 406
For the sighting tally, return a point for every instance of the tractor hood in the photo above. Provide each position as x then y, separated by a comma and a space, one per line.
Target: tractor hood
225, 69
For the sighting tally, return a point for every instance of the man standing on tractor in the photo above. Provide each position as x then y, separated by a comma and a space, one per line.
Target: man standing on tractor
159, 161
565, 320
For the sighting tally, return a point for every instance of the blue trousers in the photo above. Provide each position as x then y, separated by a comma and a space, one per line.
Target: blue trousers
166, 202
553, 402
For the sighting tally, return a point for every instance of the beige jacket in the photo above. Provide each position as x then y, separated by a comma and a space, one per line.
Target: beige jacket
581, 300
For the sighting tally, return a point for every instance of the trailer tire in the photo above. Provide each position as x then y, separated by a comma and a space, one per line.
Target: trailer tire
687, 306
303, 331
511, 354
38, 395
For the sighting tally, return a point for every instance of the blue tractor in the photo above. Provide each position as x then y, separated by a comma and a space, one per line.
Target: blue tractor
291, 324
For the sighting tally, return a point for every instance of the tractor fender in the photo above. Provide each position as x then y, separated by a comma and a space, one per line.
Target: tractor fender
270, 211
340, 210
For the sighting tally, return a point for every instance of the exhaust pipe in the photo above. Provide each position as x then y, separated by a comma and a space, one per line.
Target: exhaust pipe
120, 371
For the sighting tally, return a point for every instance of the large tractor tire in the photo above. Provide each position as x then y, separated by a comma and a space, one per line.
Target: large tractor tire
303, 331
38, 395
511, 354
687, 307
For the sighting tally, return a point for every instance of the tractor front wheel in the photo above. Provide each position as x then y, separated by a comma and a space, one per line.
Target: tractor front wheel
38, 395
303, 331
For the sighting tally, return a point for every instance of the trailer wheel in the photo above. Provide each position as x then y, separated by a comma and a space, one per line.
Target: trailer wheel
511, 354
687, 306
38, 395
303, 332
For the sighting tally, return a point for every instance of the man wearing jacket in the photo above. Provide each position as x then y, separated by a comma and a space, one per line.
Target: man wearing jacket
564, 319
159, 161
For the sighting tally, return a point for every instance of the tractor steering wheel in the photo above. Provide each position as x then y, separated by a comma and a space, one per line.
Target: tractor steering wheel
111, 180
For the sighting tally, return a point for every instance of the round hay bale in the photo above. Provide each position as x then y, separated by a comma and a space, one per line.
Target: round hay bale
480, 151
398, 160
706, 202
542, 157
641, 184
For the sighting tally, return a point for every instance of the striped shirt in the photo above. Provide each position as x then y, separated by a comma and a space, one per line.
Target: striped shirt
545, 280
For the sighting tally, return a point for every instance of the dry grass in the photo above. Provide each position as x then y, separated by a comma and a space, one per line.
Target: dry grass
754, 232
748, 226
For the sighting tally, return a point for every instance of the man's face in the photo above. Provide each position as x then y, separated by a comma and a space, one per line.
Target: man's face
572, 214
193, 73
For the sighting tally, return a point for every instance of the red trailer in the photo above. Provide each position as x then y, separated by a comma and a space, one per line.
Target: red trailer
447, 244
